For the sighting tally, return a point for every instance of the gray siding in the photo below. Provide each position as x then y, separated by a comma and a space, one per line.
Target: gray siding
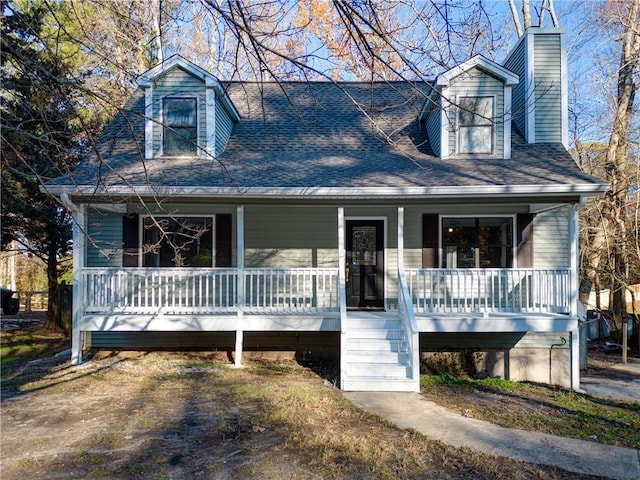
548, 97
177, 82
495, 340
516, 63
434, 121
213, 341
551, 238
182, 209
224, 126
291, 237
104, 242
477, 83
160, 340
543, 73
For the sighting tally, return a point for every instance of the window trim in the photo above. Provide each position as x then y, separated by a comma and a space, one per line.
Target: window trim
141, 220
514, 246
492, 125
165, 125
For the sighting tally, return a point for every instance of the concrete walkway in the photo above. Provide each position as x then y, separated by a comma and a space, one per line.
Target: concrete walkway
411, 410
604, 386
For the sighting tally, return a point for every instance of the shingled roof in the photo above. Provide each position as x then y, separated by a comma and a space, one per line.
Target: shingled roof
314, 135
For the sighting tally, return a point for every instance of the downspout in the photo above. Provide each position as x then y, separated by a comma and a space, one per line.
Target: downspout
78, 229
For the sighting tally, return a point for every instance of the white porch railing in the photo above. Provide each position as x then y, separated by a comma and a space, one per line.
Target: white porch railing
489, 290
295, 290
408, 318
315, 290
209, 290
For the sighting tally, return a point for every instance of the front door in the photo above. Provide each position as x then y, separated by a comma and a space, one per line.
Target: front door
365, 263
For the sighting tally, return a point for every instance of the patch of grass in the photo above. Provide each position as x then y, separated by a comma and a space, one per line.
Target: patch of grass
538, 407
262, 421
18, 347
280, 368
100, 472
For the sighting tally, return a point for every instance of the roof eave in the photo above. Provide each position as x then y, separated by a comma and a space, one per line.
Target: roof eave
363, 193
508, 77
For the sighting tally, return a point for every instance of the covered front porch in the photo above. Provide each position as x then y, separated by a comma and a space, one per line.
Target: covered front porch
313, 300
264, 292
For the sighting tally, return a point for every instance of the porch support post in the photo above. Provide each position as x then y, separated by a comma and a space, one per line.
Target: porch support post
241, 284
342, 297
574, 260
573, 294
79, 245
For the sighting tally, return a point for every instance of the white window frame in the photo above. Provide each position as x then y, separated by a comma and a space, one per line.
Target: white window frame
141, 221
514, 246
163, 125
491, 125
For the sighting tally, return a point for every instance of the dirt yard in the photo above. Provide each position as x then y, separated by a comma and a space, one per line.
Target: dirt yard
185, 416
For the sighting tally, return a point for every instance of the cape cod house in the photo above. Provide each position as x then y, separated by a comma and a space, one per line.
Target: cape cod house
379, 219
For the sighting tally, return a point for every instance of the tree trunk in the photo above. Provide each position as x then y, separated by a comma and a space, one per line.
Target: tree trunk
516, 18
552, 13
526, 14
53, 309
616, 162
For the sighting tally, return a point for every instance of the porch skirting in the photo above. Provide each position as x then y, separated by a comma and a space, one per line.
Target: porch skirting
318, 344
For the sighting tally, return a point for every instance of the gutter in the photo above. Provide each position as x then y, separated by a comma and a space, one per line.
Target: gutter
400, 193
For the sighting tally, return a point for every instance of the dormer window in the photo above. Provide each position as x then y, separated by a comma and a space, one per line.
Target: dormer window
180, 127
475, 125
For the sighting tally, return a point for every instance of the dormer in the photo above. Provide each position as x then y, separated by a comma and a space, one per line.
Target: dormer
468, 113
187, 112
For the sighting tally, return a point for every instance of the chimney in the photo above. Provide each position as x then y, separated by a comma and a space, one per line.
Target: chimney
540, 100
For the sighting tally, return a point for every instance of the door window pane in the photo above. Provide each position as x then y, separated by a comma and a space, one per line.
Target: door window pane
364, 245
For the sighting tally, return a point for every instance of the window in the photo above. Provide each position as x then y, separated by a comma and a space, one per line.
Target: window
178, 242
477, 242
180, 126
475, 125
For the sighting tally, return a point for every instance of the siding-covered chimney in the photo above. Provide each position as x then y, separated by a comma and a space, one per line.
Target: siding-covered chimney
540, 99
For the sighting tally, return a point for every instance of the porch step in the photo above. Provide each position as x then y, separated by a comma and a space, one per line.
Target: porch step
377, 369
377, 357
368, 356
376, 345
378, 384
393, 333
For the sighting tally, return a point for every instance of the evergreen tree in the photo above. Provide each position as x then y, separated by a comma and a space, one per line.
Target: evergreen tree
39, 140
